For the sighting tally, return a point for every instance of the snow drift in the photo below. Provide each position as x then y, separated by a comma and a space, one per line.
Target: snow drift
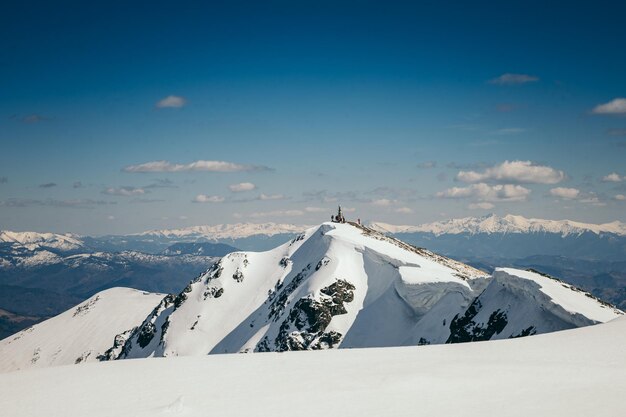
577, 372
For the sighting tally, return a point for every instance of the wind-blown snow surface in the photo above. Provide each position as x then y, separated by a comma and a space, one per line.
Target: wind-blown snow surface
79, 334
508, 224
579, 372
342, 285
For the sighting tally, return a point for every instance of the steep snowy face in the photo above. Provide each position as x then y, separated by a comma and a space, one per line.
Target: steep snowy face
334, 285
80, 334
522, 303
343, 285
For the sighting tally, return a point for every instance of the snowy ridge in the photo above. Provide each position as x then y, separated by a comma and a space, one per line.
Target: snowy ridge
79, 334
508, 224
227, 231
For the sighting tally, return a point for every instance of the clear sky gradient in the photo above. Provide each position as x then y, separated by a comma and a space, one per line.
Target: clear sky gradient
119, 117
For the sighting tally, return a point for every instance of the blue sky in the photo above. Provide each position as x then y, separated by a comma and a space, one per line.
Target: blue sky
403, 112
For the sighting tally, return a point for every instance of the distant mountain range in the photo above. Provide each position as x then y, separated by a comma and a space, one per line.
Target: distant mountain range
492, 224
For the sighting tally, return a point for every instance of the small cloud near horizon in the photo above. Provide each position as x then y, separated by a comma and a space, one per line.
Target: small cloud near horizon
48, 185
203, 198
614, 177
33, 118
565, 193
242, 187
523, 172
427, 164
125, 191
487, 193
513, 79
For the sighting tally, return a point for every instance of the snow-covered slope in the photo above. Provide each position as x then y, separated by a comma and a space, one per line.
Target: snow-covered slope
579, 372
343, 285
508, 224
79, 334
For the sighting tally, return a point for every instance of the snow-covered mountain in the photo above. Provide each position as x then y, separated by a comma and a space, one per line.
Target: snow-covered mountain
79, 334
578, 372
344, 285
491, 224
33, 240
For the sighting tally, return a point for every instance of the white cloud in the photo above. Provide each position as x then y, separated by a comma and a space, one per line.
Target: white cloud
266, 197
381, 202
620, 197
481, 206
203, 198
615, 106
427, 164
565, 193
317, 210
171, 101
124, 191
404, 210
524, 172
509, 131
241, 187
200, 165
513, 79
277, 213
577, 195
487, 193
614, 177
111, 217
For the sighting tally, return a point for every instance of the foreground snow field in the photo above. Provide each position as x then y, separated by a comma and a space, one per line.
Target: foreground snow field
580, 372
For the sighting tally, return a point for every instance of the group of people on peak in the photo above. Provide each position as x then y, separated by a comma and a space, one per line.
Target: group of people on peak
340, 218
